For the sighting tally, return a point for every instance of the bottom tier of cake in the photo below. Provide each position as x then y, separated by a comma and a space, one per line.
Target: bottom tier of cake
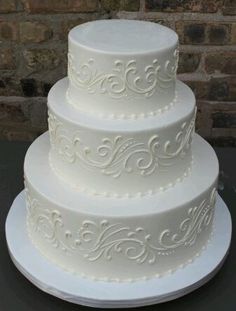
120, 239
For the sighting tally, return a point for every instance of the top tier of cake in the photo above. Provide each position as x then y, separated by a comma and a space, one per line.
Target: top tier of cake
122, 68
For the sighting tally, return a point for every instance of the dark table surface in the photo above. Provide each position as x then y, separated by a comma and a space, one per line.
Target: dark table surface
18, 294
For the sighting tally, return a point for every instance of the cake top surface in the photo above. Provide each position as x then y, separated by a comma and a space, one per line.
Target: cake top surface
123, 36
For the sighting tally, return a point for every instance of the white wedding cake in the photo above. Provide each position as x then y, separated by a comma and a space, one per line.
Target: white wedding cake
121, 188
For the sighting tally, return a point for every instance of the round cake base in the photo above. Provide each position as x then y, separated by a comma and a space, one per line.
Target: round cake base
75, 289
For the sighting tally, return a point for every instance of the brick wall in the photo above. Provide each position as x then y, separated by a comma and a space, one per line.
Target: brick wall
33, 38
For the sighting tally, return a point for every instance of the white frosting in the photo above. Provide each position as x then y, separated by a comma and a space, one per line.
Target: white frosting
121, 127
120, 239
121, 157
122, 67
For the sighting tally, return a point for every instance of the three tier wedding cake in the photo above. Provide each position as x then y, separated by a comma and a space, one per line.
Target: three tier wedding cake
121, 188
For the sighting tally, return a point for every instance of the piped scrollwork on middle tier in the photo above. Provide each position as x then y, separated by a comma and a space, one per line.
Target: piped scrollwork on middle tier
124, 80
95, 240
118, 155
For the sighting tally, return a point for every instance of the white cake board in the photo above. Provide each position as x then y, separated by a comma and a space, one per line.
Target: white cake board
72, 288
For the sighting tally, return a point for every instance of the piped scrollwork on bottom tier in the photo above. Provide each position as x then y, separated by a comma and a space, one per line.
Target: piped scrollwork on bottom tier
102, 239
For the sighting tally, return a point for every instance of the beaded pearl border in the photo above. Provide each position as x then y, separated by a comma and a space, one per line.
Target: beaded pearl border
116, 195
133, 116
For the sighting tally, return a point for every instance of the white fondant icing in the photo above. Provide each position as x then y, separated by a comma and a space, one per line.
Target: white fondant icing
113, 239
91, 191
117, 79
123, 116
124, 190
120, 157
102, 240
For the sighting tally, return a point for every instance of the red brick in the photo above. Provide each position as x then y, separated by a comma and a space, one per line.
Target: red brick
218, 34
204, 33
216, 89
229, 7
110, 5
23, 113
10, 85
223, 89
7, 61
60, 6
41, 59
224, 119
34, 32
227, 140
188, 62
11, 111
122, 5
191, 32
38, 113
8, 31
224, 62
212, 6
7, 6
203, 120
233, 33
18, 132
129, 5
20, 135
202, 6
29, 87
217, 120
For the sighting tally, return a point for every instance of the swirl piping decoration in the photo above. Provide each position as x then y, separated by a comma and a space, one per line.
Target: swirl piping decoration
95, 240
124, 80
118, 155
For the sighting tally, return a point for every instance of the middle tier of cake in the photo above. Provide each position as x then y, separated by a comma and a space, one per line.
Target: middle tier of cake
120, 157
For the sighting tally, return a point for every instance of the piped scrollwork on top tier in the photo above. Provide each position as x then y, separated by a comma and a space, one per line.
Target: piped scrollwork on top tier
124, 80
95, 240
118, 155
